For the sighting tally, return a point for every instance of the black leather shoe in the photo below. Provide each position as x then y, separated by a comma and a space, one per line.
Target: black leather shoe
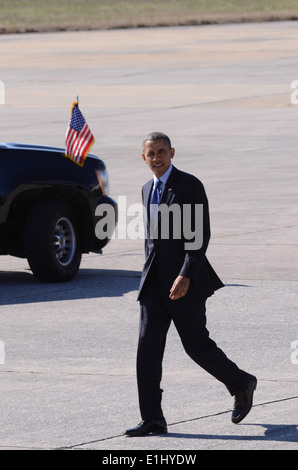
243, 401
150, 426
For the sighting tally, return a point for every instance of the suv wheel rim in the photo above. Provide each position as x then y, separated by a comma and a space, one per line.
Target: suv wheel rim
64, 241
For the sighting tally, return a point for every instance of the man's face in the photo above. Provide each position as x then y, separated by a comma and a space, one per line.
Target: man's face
158, 156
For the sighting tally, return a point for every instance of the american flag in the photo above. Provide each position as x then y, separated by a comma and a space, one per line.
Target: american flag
79, 138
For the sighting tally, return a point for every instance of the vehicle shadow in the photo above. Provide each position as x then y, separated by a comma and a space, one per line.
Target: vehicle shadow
23, 287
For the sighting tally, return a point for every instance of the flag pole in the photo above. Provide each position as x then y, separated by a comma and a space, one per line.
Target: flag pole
78, 100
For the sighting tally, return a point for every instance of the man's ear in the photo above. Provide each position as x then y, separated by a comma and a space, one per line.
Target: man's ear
144, 158
172, 152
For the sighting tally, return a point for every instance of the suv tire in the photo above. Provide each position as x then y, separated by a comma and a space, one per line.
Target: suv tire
51, 242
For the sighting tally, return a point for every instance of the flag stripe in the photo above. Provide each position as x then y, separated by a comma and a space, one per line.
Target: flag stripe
84, 142
70, 139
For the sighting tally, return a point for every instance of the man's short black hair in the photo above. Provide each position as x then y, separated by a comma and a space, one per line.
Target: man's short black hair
157, 136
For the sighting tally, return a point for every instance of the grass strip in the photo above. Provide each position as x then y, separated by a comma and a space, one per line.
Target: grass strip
44, 15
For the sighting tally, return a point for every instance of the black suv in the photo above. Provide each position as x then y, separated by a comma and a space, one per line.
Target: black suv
47, 208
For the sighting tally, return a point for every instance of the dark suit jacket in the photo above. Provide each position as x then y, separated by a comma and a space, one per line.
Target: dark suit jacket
170, 255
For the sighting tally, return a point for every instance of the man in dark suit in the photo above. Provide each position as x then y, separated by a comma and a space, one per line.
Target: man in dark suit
176, 281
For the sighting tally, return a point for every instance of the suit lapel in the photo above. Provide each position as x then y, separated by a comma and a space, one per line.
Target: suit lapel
146, 193
147, 188
169, 190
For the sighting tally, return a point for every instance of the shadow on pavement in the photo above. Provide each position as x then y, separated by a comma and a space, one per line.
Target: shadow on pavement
272, 432
22, 287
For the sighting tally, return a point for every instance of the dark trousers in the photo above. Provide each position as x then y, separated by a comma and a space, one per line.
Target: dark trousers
157, 312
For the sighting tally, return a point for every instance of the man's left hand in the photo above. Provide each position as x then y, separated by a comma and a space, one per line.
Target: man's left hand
179, 287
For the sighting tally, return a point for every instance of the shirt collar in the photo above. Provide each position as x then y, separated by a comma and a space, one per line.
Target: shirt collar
164, 178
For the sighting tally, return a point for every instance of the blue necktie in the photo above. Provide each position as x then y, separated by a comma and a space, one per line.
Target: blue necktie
154, 201
155, 196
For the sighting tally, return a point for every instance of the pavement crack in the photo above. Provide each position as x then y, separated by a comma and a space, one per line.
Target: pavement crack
89, 442
174, 424
254, 231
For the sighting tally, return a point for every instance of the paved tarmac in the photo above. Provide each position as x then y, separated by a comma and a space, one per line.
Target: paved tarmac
223, 94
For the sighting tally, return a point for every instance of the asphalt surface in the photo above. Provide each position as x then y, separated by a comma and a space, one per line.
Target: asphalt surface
223, 94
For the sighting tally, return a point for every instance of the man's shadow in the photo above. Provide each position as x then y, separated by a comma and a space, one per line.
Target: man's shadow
272, 432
